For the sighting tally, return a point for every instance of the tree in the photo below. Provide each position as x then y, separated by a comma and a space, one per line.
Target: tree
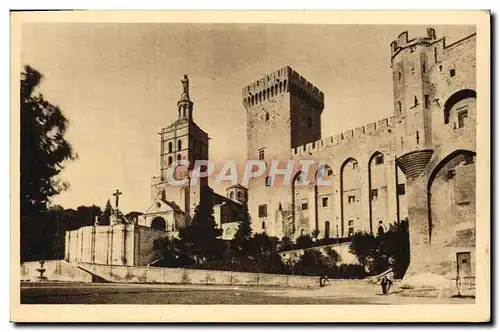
106, 214
262, 245
396, 246
312, 262
44, 150
391, 249
133, 216
243, 233
171, 253
286, 244
333, 256
201, 236
315, 234
304, 241
364, 246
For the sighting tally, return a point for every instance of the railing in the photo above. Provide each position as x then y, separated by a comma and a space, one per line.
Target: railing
465, 284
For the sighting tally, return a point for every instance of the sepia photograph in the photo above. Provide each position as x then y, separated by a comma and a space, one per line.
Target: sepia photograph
286, 163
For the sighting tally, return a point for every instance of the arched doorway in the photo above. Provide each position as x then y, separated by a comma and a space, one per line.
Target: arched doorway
159, 223
451, 191
380, 228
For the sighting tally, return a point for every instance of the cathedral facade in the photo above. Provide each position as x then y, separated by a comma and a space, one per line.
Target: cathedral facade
172, 206
418, 164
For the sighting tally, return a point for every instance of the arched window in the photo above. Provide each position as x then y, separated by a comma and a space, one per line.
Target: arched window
231, 195
400, 108
240, 196
399, 76
170, 147
281, 87
267, 116
169, 160
179, 145
272, 91
264, 95
327, 229
179, 156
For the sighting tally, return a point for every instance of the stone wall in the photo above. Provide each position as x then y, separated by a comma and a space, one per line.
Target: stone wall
115, 245
55, 270
141, 274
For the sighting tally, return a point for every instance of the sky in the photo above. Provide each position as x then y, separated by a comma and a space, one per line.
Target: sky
118, 85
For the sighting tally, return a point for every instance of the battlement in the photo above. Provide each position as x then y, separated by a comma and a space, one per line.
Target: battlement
282, 81
359, 133
402, 42
469, 39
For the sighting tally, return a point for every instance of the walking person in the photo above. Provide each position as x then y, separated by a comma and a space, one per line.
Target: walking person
386, 284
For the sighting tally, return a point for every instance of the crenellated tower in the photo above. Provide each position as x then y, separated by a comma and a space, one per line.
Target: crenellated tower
412, 101
283, 112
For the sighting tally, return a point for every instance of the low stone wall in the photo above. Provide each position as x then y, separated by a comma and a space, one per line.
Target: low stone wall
122, 244
55, 270
142, 274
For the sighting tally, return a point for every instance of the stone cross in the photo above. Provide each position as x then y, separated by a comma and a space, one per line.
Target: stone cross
117, 194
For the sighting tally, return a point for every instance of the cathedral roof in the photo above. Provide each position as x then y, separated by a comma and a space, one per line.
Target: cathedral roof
237, 186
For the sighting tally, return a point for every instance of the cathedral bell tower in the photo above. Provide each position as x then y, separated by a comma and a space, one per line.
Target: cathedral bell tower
181, 140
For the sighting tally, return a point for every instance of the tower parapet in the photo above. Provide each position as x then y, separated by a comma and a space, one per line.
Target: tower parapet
282, 81
402, 42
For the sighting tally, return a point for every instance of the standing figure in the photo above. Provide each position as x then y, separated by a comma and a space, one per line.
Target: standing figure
185, 88
386, 285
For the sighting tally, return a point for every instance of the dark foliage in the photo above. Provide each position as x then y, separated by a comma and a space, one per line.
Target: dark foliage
315, 262
201, 237
43, 147
241, 243
133, 215
106, 214
171, 253
43, 153
391, 249
396, 246
285, 244
304, 241
53, 224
